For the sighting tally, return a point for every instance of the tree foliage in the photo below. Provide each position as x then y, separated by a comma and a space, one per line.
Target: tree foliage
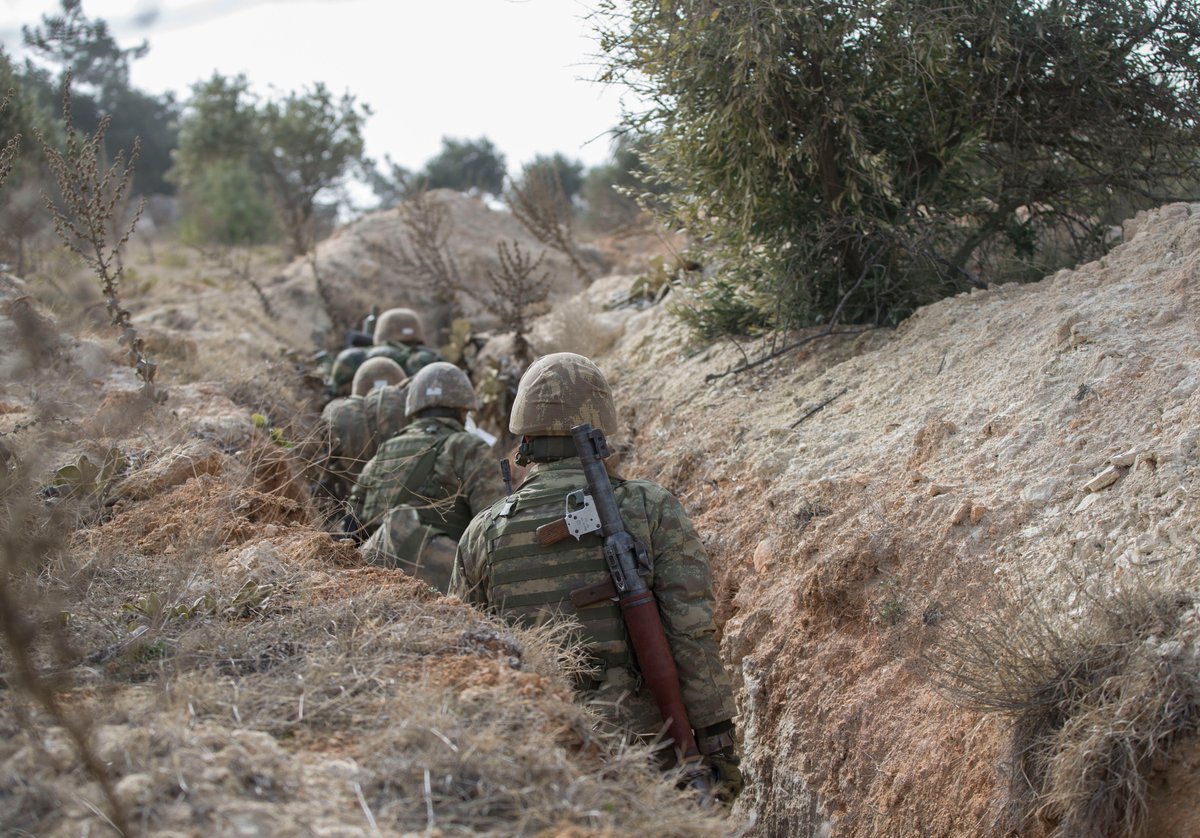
310, 141
611, 191
68, 42
858, 158
465, 165
238, 155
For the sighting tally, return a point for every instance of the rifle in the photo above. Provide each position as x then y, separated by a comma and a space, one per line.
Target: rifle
628, 562
366, 335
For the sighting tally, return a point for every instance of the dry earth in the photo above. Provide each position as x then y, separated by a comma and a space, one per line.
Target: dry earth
861, 496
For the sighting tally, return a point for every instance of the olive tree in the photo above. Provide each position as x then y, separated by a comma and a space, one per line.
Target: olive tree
311, 140
239, 157
853, 159
465, 165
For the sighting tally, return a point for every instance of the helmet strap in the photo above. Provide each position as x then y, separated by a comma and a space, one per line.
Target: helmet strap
439, 412
545, 449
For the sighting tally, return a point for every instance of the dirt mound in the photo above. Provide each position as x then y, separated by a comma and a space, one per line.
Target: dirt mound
861, 493
237, 670
364, 264
867, 499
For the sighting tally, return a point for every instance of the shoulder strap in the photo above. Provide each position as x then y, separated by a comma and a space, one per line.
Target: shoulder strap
420, 474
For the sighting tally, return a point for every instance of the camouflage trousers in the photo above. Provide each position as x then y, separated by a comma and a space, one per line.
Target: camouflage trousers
403, 542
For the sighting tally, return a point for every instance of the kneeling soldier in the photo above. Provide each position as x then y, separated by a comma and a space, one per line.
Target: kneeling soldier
419, 492
518, 559
348, 435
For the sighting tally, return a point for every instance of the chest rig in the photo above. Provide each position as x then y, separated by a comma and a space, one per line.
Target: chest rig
530, 582
405, 476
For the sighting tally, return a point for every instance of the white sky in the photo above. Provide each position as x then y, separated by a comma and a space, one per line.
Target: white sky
517, 71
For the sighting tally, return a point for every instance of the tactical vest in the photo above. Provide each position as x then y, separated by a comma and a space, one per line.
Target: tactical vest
403, 474
528, 582
384, 411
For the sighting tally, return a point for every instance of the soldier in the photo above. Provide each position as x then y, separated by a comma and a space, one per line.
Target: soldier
417, 495
341, 374
351, 434
502, 566
400, 336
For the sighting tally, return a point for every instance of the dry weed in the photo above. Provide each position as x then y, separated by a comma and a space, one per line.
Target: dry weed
1096, 698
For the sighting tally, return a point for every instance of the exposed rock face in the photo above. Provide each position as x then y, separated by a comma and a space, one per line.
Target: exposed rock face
1032, 437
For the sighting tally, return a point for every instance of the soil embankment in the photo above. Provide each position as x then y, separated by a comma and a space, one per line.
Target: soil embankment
863, 497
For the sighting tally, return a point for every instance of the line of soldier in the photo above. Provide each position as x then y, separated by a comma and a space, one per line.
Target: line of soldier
430, 501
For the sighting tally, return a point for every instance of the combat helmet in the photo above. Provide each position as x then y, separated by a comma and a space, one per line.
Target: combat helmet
345, 365
558, 392
439, 384
376, 372
399, 325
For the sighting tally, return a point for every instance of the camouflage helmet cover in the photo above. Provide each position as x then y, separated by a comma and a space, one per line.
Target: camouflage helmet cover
345, 365
558, 392
399, 325
376, 372
440, 384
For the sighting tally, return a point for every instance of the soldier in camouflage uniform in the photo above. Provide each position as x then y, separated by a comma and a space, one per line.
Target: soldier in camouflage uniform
501, 566
400, 336
419, 492
350, 433
341, 373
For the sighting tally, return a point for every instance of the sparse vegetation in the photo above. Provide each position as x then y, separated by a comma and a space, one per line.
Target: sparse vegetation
543, 206
1094, 698
92, 200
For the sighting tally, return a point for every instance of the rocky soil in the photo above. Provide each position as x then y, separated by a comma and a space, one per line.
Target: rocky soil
866, 498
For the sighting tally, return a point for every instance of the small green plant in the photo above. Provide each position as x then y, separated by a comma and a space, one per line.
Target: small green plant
720, 306
891, 608
261, 422
933, 614
83, 478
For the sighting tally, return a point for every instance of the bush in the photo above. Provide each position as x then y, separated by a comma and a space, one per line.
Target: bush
859, 159
1095, 699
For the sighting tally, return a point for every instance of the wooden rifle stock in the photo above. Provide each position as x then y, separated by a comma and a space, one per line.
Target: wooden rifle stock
624, 554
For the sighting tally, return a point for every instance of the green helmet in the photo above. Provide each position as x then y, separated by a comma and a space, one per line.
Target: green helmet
440, 384
561, 391
394, 352
341, 375
399, 325
376, 372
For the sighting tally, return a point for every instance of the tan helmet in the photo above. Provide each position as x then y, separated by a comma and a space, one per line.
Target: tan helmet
399, 325
561, 391
439, 384
376, 372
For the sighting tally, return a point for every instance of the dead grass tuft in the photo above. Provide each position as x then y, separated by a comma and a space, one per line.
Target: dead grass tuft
1096, 701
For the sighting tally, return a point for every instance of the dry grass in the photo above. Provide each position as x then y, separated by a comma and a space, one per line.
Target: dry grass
240, 670
1096, 698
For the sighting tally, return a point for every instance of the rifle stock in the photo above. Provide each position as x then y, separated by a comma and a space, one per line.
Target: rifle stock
626, 557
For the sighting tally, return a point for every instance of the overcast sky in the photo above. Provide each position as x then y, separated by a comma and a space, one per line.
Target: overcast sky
518, 71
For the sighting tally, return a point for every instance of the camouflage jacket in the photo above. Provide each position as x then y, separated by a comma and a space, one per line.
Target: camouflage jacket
434, 466
346, 442
500, 566
383, 410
